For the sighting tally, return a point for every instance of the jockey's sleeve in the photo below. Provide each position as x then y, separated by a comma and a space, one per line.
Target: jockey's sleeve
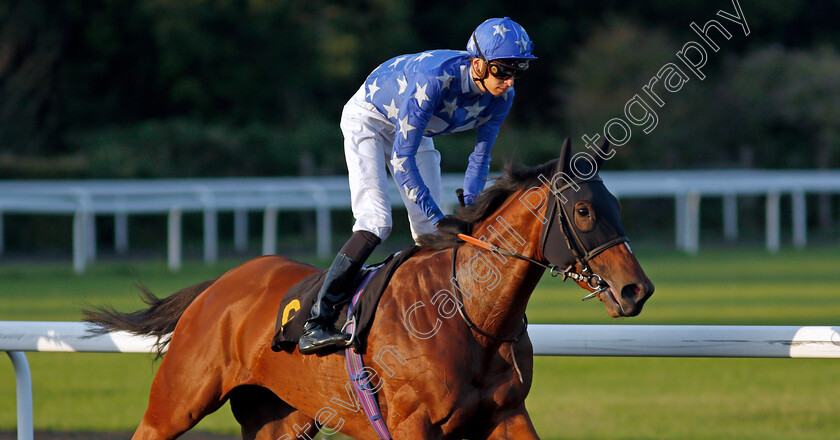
418, 103
479, 163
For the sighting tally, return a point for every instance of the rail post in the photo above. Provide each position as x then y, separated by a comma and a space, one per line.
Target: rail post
23, 382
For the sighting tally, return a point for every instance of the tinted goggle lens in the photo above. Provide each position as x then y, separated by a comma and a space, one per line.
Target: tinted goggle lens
505, 71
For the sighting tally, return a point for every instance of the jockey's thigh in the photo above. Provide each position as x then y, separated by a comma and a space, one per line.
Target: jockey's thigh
368, 138
428, 163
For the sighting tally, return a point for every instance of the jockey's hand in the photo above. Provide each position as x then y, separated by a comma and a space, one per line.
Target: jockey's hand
453, 225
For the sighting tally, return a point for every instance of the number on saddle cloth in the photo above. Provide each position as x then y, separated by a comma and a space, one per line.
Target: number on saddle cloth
296, 305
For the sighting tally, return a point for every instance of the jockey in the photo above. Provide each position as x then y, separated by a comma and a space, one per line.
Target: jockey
389, 124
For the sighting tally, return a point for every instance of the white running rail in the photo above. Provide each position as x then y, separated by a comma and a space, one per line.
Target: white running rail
84, 200
17, 337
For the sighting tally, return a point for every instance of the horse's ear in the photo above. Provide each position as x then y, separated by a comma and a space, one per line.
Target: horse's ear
565, 154
603, 146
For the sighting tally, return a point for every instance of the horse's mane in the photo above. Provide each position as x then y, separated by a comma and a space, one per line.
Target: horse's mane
514, 178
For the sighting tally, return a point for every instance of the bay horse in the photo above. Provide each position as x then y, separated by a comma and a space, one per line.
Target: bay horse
436, 377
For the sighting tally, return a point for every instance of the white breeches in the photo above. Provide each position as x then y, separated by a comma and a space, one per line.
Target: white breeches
368, 140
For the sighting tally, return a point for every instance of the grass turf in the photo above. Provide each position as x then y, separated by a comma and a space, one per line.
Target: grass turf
615, 398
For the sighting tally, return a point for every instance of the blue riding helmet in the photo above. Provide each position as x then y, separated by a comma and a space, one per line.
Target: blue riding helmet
500, 38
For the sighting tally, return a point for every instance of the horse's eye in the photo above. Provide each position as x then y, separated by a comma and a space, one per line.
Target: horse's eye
583, 212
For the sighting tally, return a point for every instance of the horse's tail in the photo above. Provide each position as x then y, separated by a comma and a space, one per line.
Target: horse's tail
158, 320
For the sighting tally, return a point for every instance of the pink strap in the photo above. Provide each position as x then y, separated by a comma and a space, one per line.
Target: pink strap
358, 376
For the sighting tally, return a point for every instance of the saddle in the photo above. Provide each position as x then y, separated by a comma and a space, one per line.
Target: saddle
296, 305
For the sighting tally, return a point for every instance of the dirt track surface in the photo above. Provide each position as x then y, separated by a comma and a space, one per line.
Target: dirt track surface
52, 435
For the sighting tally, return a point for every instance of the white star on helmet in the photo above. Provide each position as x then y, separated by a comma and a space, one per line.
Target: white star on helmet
500, 29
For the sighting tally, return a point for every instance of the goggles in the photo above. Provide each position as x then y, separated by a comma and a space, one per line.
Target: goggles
508, 69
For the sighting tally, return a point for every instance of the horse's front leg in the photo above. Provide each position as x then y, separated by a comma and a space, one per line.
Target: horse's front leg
515, 424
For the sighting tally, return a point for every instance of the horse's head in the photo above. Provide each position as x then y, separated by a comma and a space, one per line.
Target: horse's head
582, 229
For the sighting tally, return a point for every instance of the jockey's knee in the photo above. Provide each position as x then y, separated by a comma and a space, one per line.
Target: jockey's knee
382, 232
379, 225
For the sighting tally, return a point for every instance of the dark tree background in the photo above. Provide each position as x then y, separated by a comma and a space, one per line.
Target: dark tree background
181, 88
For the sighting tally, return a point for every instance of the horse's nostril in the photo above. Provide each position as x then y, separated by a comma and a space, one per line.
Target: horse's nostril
632, 292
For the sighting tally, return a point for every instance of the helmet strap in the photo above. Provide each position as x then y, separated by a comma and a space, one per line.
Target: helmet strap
480, 79
485, 71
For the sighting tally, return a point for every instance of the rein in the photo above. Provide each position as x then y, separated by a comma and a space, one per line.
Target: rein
471, 325
593, 280
463, 312
578, 249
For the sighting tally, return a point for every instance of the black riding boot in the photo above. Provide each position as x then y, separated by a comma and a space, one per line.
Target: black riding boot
319, 331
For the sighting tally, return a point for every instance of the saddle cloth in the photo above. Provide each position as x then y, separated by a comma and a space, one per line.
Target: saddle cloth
297, 303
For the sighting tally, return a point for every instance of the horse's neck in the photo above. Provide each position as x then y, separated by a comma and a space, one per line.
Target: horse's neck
498, 287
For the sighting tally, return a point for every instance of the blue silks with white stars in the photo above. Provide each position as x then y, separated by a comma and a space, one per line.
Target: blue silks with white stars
430, 94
